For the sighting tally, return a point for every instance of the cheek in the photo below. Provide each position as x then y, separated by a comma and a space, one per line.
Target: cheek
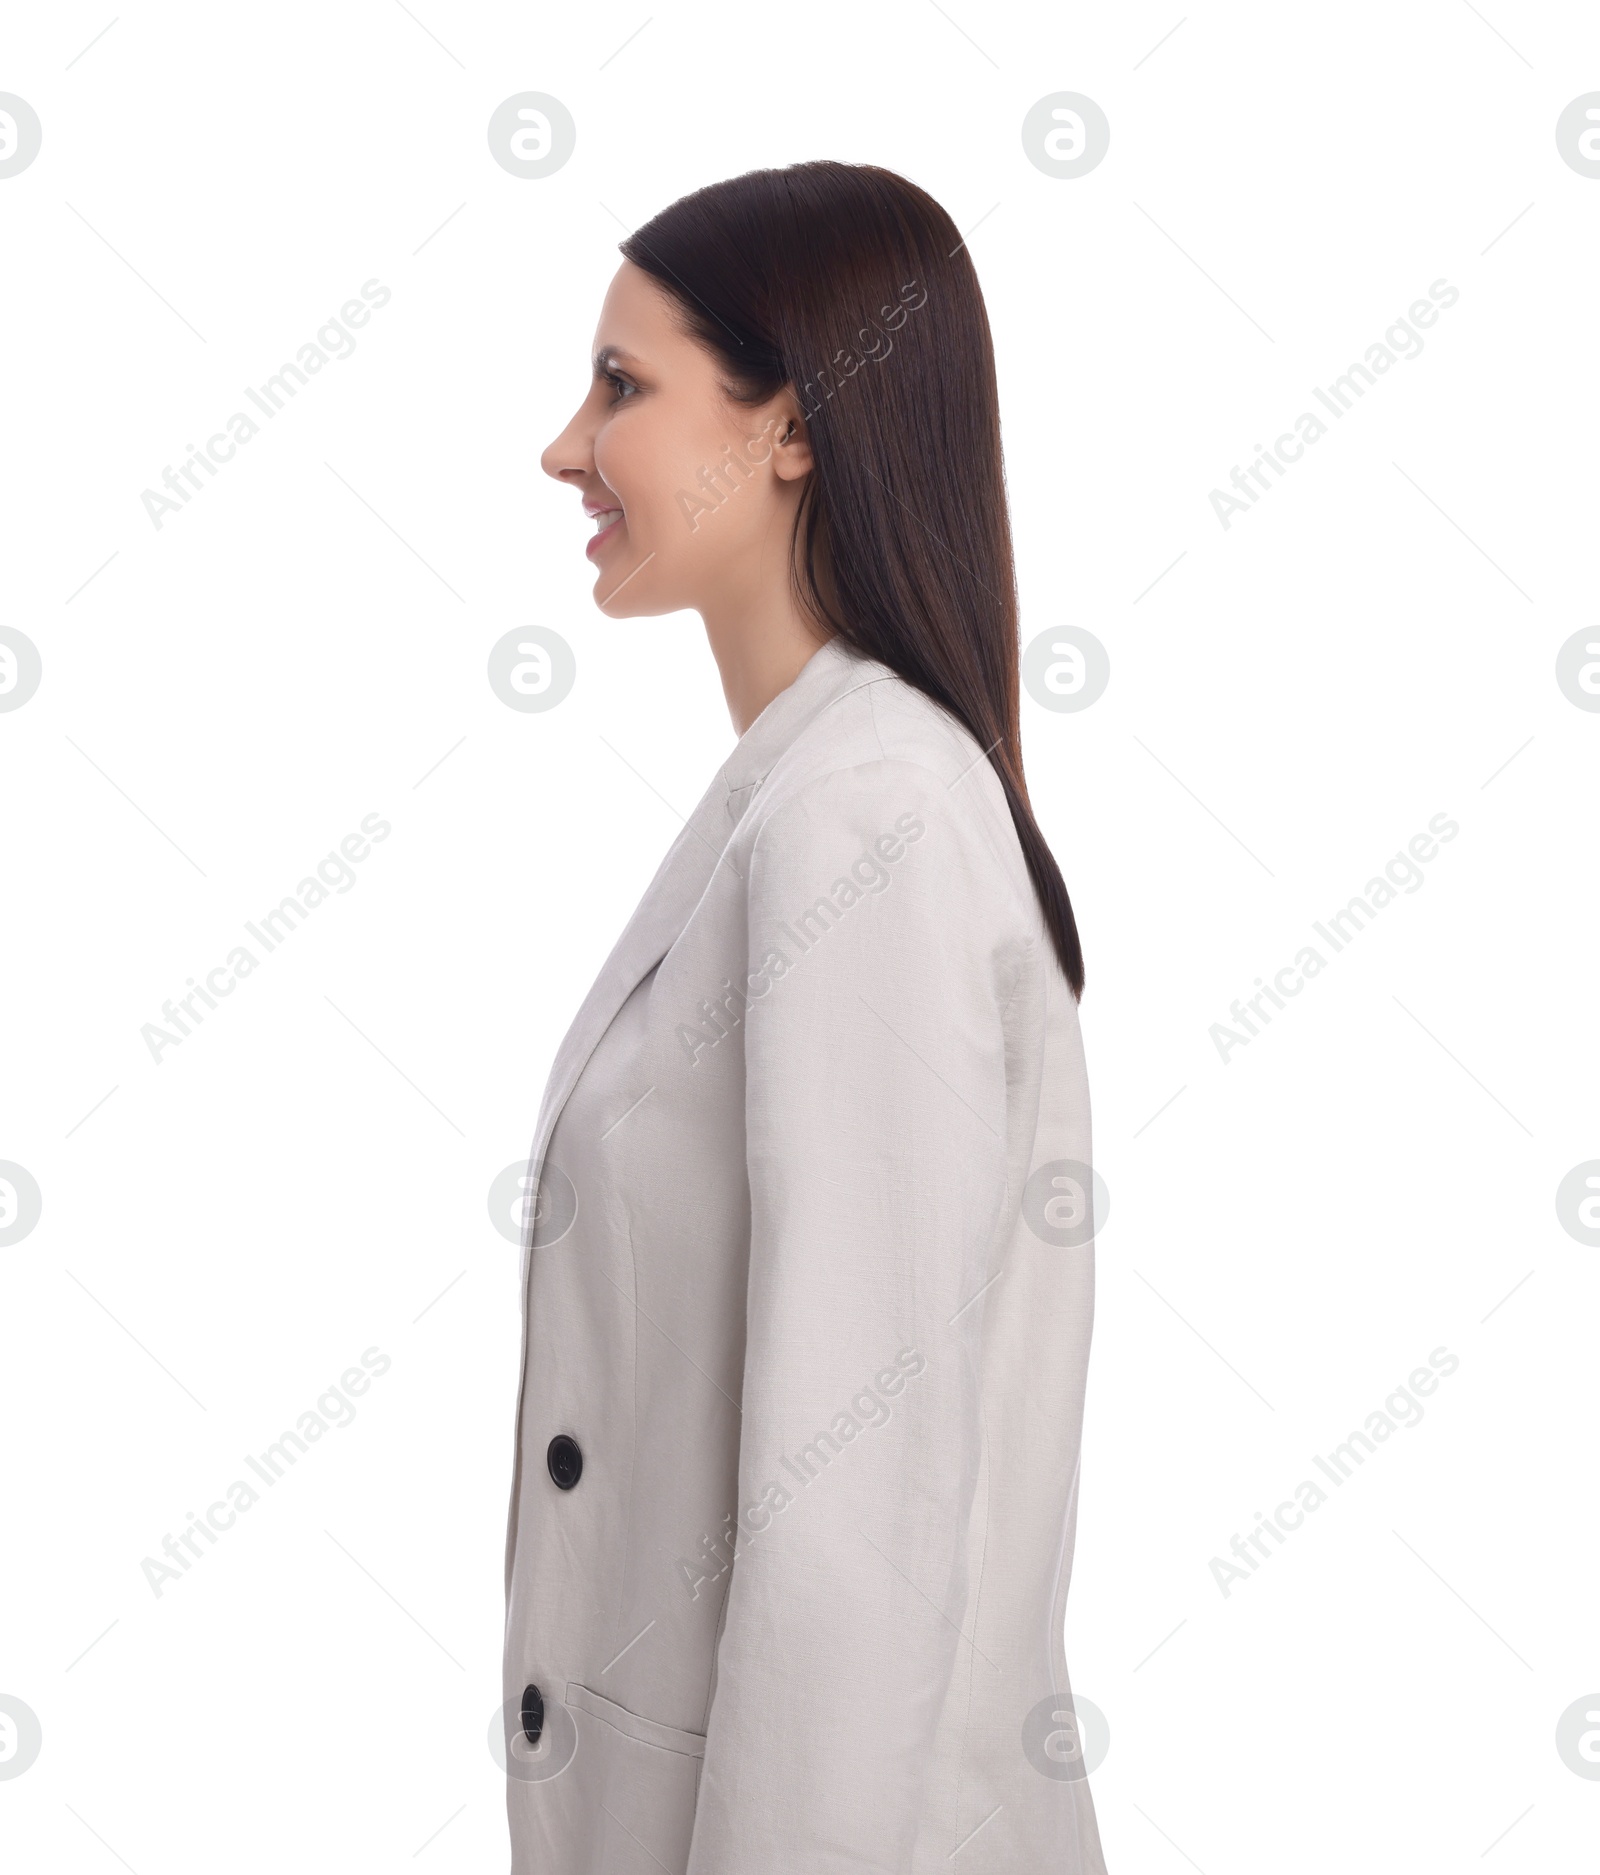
678, 481
617, 460
637, 460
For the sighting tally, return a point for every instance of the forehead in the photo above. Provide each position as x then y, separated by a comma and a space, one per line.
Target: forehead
638, 317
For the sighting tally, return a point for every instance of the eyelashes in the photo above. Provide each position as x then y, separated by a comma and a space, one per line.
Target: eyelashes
619, 385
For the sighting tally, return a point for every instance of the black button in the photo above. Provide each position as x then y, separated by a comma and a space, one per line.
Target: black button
532, 1713
565, 1461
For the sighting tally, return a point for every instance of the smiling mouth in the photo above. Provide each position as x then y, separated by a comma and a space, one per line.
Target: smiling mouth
606, 522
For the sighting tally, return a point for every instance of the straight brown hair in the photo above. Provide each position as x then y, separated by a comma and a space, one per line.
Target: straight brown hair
811, 277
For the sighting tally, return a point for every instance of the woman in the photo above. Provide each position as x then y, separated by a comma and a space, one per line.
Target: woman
809, 1283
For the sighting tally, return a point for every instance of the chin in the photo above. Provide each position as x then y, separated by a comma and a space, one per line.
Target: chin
629, 598
622, 606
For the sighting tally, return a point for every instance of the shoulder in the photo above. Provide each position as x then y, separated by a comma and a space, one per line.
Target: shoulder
882, 770
879, 728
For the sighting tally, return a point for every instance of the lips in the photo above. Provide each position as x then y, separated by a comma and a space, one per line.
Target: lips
607, 518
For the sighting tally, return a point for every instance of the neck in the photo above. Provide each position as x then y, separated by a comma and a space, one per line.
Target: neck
761, 646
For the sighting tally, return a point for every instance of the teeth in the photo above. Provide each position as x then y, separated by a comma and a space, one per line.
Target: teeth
606, 517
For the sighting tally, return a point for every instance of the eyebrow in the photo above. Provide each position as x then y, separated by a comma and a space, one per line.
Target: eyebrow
609, 355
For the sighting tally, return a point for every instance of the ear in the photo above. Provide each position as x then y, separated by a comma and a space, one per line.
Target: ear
791, 442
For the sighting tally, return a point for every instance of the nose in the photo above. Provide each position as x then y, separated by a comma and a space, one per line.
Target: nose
571, 456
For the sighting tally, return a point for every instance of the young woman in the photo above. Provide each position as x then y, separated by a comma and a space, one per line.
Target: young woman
809, 1282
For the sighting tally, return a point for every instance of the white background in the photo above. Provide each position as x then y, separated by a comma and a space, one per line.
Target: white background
1291, 700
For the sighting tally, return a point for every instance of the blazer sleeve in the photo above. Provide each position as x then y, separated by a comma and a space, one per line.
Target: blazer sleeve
875, 1136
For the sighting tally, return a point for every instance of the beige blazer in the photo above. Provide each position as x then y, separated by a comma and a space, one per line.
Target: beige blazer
807, 1309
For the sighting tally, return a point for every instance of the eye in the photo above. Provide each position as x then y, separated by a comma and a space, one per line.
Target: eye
619, 385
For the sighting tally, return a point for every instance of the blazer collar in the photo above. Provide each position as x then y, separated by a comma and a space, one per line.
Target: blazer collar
828, 675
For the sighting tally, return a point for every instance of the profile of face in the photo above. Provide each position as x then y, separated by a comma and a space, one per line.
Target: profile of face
692, 495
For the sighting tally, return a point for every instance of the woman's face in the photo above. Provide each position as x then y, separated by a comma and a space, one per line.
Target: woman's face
692, 497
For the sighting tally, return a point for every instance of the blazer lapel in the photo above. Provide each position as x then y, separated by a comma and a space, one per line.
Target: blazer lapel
649, 934
684, 874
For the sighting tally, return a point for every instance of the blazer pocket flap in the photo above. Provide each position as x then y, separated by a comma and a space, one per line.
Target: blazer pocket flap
646, 1731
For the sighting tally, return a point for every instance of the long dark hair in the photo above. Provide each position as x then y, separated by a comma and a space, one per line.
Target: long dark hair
809, 277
